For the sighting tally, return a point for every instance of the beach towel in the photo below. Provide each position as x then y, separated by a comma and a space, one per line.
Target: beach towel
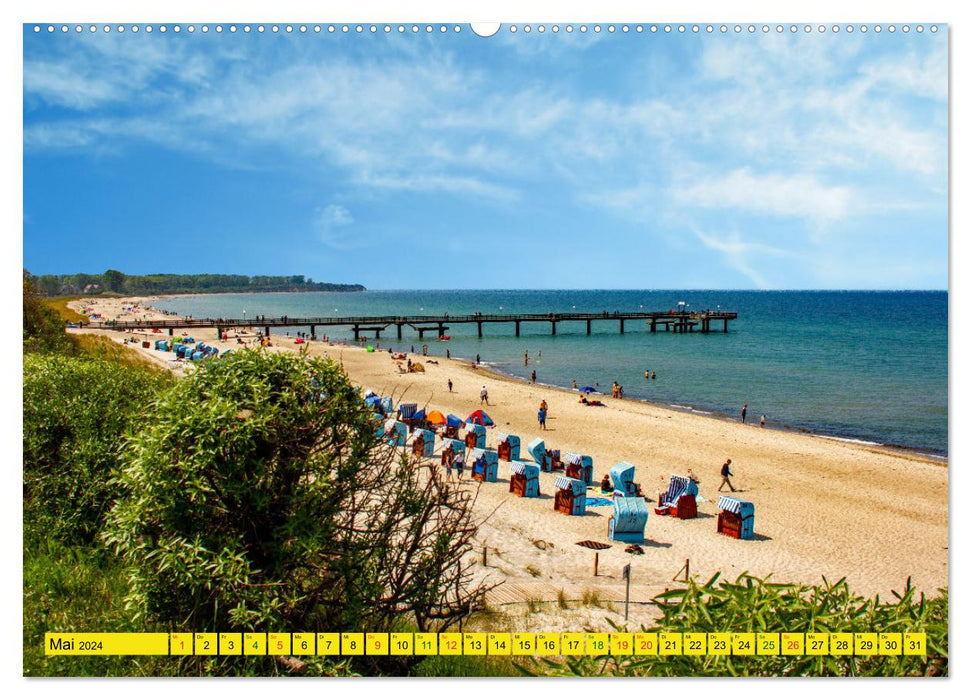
596, 501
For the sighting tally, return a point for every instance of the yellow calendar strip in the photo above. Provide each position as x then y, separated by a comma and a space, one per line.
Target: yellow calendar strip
105, 644
618, 644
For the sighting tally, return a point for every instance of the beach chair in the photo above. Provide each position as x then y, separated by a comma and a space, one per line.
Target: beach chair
580, 467
628, 520
737, 518
571, 496
555, 461
622, 476
452, 450
448, 454
507, 447
379, 425
475, 436
679, 500
188, 340
537, 450
485, 465
406, 414
524, 480
387, 405
423, 443
161, 345
197, 355
396, 433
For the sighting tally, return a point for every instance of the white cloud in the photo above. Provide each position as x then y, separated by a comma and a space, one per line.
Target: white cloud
776, 194
331, 224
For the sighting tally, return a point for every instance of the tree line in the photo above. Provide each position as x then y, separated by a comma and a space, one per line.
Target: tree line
115, 282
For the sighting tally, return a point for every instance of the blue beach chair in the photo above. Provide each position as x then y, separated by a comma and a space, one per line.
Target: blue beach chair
507, 447
580, 467
622, 475
524, 480
571, 496
629, 520
737, 518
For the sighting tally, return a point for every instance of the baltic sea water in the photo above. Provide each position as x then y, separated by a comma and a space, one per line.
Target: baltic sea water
859, 365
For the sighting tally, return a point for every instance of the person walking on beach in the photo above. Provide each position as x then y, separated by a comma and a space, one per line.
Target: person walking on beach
448, 354
541, 416
484, 395
478, 360
525, 358
744, 411
762, 421
574, 383
450, 385
726, 472
532, 377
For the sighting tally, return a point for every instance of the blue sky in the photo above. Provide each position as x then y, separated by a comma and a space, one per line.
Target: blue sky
518, 161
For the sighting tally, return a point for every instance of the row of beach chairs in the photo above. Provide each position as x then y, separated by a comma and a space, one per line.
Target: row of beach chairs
629, 519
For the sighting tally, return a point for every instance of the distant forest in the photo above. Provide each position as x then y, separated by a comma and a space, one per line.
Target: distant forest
113, 282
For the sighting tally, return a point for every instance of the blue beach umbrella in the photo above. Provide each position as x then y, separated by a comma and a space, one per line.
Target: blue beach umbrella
587, 390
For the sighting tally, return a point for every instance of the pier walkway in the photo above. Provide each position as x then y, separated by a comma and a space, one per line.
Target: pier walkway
674, 321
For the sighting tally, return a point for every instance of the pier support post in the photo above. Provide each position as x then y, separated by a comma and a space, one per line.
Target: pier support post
621, 326
588, 326
553, 324
357, 332
399, 330
441, 329
653, 325
479, 324
313, 332
725, 329
517, 329
171, 331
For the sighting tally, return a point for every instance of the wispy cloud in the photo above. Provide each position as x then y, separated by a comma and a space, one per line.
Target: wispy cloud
332, 224
744, 256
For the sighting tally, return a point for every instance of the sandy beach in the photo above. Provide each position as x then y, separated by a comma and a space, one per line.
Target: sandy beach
824, 508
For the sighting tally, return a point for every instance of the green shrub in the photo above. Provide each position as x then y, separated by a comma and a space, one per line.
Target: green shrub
754, 605
76, 415
43, 326
259, 498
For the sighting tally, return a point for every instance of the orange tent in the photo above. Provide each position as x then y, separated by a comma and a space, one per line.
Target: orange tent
435, 418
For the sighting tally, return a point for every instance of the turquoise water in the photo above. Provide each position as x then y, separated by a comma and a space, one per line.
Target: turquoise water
861, 365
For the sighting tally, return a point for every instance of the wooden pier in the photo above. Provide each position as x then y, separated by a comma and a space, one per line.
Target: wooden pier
671, 321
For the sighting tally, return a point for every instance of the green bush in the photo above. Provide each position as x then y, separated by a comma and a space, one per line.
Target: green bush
754, 605
43, 326
76, 415
259, 498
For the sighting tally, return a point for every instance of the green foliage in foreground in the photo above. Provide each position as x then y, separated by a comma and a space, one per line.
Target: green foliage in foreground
258, 497
76, 414
43, 325
754, 605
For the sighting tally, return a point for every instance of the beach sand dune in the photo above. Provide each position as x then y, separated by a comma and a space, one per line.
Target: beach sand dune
824, 508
